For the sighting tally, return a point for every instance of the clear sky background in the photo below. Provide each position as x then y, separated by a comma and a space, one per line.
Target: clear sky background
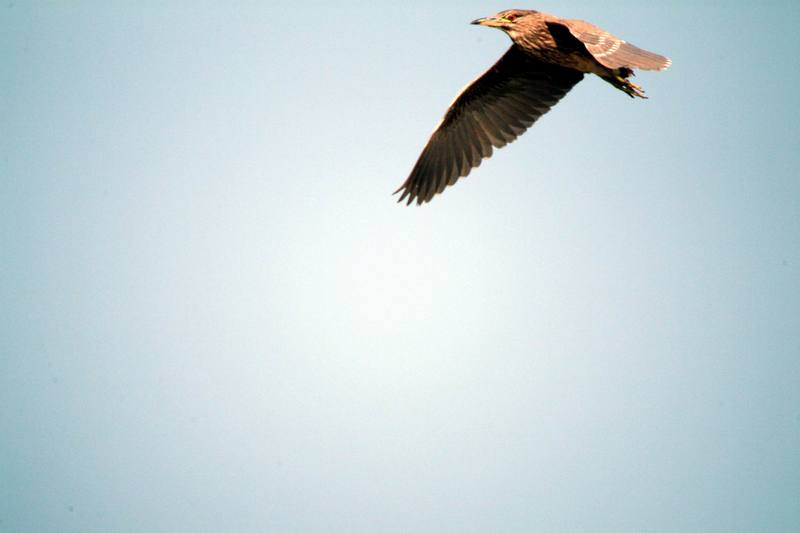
214, 317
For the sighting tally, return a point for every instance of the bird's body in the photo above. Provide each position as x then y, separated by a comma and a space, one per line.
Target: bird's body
549, 55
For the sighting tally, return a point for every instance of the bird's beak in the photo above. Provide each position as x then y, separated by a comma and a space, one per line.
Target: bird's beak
492, 22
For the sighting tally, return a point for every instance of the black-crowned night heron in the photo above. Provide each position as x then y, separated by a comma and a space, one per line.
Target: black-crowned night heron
549, 56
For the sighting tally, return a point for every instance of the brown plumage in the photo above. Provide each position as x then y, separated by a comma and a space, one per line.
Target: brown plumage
549, 55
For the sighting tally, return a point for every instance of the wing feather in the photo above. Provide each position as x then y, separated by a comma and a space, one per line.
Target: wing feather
611, 51
492, 111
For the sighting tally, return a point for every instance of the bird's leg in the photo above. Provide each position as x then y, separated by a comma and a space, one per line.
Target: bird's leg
619, 79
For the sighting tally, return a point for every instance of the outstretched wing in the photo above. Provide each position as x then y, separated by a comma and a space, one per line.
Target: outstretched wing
491, 111
611, 51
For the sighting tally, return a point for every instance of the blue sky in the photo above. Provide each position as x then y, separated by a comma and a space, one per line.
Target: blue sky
215, 318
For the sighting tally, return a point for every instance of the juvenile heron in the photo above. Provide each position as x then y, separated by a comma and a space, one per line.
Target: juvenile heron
549, 55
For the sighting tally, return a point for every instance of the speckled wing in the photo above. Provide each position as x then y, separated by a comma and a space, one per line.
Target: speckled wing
490, 112
611, 51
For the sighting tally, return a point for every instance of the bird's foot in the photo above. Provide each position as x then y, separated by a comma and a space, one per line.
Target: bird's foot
631, 89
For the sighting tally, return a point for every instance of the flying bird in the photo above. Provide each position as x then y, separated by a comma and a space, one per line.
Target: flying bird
549, 55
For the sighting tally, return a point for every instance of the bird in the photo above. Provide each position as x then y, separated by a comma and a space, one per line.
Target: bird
547, 57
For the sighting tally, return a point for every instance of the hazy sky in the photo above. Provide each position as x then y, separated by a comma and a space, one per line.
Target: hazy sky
214, 317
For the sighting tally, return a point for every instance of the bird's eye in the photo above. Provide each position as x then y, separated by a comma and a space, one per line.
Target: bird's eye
511, 17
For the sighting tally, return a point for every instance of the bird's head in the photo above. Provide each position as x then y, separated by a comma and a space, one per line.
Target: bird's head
510, 21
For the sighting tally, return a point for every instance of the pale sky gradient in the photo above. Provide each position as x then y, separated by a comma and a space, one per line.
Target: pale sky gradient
214, 317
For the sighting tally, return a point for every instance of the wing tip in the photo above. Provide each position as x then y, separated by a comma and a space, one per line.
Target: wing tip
407, 195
